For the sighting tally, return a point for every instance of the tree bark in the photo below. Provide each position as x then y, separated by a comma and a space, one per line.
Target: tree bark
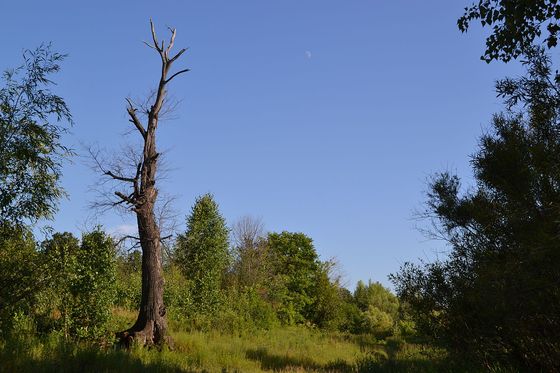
150, 327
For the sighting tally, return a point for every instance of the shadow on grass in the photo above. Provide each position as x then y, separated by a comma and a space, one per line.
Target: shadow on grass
76, 359
274, 362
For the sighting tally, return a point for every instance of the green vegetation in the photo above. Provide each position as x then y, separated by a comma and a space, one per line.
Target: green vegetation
31, 150
516, 25
292, 349
202, 253
496, 297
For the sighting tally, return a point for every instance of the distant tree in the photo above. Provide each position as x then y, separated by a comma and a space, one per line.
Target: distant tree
251, 258
516, 25
376, 295
202, 252
296, 266
379, 308
496, 296
31, 150
247, 232
327, 299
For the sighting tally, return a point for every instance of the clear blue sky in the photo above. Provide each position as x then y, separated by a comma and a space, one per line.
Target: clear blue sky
324, 117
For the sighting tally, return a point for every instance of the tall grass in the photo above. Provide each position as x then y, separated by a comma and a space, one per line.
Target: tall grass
288, 349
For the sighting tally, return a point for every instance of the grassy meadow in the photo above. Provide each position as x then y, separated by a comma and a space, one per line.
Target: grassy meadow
287, 349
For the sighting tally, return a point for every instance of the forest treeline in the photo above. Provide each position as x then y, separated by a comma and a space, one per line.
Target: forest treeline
70, 285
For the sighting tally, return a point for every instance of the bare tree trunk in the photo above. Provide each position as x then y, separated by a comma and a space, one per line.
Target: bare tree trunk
150, 327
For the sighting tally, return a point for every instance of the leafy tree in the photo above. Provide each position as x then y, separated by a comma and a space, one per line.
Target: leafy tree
515, 25
327, 304
82, 281
31, 151
202, 252
496, 297
375, 295
61, 253
21, 273
378, 306
352, 318
297, 267
129, 280
93, 287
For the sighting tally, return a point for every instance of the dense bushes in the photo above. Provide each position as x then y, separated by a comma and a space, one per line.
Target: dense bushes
64, 285
71, 286
263, 281
21, 274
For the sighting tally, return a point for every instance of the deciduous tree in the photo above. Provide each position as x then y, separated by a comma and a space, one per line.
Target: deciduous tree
31, 148
516, 25
496, 295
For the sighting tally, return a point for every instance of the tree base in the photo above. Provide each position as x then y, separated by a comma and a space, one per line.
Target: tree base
146, 337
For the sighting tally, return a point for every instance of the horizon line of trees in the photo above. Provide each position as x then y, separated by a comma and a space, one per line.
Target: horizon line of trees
217, 278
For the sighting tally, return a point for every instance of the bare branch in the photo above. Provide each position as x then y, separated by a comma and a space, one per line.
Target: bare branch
177, 73
128, 199
119, 177
127, 237
177, 55
154, 37
171, 41
134, 119
148, 44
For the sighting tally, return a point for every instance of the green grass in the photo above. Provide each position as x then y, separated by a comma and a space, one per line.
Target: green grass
293, 349
283, 350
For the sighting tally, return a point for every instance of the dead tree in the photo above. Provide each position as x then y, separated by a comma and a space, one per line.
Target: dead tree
150, 327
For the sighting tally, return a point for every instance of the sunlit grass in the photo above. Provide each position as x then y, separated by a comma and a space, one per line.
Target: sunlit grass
288, 349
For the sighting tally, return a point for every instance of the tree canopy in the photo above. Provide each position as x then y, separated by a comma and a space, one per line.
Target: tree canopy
31, 150
515, 25
202, 251
496, 296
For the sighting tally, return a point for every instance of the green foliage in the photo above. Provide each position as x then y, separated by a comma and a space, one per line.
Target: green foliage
377, 322
515, 25
21, 274
129, 280
376, 295
202, 253
243, 312
496, 296
82, 282
296, 265
31, 151
177, 296
327, 305
93, 288
379, 309
61, 254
